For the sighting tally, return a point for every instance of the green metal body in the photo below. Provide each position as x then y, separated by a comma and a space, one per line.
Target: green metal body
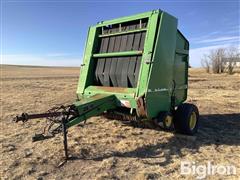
93, 106
163, 71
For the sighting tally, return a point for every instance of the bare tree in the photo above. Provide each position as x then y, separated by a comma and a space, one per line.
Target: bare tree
232, 56
205, 61
222, 58
216, 57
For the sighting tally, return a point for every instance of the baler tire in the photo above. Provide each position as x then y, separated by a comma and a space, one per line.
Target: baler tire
186, 119
165, 121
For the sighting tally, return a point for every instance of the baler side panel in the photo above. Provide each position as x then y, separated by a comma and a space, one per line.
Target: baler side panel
160, 83
87, 70
147, 54
181, 69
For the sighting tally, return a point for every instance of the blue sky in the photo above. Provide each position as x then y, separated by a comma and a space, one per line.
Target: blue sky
54, 32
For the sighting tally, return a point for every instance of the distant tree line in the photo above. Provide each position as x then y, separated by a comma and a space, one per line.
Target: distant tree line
222, 60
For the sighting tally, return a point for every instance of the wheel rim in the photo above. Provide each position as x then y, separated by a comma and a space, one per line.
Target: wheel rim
193, 120
168, 121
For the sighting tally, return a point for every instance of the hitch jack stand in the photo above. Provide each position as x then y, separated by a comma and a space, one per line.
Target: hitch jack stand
64, 129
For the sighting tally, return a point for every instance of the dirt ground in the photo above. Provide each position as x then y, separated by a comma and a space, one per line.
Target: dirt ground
110, 149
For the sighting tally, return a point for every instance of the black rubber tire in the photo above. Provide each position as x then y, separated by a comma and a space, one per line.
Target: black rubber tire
159, 121
182, 116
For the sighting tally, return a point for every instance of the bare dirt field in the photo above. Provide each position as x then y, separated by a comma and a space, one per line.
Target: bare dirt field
110, 149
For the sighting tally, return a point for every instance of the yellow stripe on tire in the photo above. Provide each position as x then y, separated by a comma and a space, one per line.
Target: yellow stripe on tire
193, 120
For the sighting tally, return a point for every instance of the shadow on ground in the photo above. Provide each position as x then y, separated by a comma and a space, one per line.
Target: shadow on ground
214, 129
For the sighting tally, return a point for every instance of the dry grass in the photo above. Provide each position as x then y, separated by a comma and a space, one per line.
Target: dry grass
109, 149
